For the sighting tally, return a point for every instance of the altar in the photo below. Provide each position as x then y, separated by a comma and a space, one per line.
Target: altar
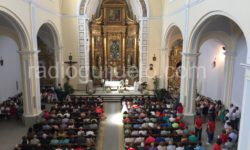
113, 45
112, 84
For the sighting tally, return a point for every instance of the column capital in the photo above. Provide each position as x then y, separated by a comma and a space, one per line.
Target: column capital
190, 54
229, 53
27, 52
59, 48
246, 66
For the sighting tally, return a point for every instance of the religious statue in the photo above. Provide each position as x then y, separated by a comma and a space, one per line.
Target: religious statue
114, 50
99, 61
129, 60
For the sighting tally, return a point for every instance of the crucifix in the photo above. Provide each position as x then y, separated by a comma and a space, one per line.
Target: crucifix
70, 63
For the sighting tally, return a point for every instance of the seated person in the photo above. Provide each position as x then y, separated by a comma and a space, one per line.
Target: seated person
150, 139
192, 138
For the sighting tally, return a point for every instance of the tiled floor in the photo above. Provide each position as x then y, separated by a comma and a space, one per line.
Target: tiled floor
11, 132
113, 127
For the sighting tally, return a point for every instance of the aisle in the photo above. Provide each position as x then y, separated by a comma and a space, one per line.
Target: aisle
113, 135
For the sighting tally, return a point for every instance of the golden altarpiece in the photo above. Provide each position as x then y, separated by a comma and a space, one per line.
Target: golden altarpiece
174, 71
114, 50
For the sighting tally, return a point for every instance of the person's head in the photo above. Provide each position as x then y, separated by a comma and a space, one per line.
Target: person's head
224, 131
142, 144
237, 108
218, 141
152, 144
231, 105
199, 144
170, 142
35, 136
161, 143
24, 138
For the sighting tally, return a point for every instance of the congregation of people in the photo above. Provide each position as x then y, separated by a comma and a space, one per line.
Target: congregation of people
71, 124
152, 124
212, 112
12, 107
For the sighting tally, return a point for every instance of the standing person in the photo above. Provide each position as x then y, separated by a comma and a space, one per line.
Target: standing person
179, 110
212, 111
233, 118
210, 130
204, 107
221, 114
231, 108
198, 127
237, 121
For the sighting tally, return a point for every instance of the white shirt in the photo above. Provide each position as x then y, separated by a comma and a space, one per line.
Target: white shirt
143, 132
90, 133
139, 139
180, 148
233, 116
171, 147
237, 114
228, 115
225, 125
161, 147
231, 109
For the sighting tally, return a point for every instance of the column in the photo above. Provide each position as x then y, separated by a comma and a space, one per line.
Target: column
188, 85
135, 49
162, 68
123, 50
106, 70
31, 86
143, 50
244, 134
228, 73
59, 65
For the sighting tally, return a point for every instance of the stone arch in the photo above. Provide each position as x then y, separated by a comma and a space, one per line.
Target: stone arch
48, 35
203, 22
173, 33
172, 38
54, 32
220, 26
17, 26
144, 8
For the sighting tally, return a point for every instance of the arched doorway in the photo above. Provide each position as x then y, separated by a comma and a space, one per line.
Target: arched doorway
174, 60
10, 63
14, 35
47, 42
12, 40
222, 47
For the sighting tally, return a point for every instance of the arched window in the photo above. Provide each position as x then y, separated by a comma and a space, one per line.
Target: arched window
82, 7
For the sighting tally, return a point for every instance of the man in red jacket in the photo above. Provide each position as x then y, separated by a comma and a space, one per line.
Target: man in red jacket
198, 126
210, 130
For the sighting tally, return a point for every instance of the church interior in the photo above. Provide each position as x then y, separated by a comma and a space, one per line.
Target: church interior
124, 75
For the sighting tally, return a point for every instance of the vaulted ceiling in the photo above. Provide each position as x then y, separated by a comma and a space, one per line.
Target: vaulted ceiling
139, 8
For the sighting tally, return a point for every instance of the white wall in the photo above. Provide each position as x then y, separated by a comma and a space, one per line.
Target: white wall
239, 73
211, 79
10, 71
